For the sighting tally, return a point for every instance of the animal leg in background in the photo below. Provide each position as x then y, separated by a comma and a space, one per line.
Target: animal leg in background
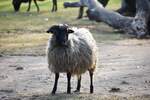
54, 8
35, 2
29, 5
81, 10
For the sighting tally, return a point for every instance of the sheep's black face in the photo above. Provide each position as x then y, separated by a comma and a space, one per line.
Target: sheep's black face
16, 4
60, 32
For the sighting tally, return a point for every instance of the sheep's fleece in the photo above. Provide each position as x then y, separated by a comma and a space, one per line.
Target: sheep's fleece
77, 57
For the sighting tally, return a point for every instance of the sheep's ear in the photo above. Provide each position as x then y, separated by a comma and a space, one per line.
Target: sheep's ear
52, 30
70, 30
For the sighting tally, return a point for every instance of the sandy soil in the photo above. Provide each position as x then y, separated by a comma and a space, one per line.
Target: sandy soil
123, 70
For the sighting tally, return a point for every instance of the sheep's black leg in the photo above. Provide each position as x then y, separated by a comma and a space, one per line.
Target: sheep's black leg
81, 10
91, 79
38, 9
54, 3
55, 84
78, 84
29, 5
69, 83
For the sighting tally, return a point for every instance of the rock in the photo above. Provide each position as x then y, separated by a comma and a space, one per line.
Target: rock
147, 81
114, 89
124, 83
3, 77
12, 65
7, 90
1, 55
19, 68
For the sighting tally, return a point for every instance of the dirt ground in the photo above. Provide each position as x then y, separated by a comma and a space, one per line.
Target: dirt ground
123, 72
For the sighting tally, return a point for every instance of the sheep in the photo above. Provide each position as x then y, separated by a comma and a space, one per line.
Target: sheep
71, 51
17, 4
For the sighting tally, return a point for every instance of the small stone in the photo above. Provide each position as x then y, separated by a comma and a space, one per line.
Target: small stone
19, 68
12, 65
138, 67
3, 97
114, 90
7, 90
35, 95
124, 82
46, 19
147, 81
3, 77
1, 55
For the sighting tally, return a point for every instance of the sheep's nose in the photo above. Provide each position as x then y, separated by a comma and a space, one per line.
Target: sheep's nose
47, 31
63, 42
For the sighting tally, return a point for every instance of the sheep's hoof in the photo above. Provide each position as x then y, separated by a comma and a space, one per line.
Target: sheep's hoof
79, 17
68, 92
91, 91
52, 93
77, 91
52, 10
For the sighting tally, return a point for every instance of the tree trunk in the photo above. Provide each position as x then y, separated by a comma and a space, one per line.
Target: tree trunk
82, 4
137, 25
72, 4
79, 4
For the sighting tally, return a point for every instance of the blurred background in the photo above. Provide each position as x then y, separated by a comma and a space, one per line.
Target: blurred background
24, 32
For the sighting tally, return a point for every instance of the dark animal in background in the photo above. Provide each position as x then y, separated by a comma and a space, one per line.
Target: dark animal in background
71, 51
17, 4
128, 7
81, 9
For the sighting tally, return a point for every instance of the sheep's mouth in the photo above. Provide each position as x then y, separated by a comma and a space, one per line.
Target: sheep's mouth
61, 45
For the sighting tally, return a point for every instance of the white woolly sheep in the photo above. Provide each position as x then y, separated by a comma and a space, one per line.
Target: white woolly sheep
71, 51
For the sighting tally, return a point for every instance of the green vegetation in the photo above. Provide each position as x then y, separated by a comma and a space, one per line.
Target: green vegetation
22, 30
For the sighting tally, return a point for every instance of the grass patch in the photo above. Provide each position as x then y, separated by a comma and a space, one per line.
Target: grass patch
12, 43
114, 4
